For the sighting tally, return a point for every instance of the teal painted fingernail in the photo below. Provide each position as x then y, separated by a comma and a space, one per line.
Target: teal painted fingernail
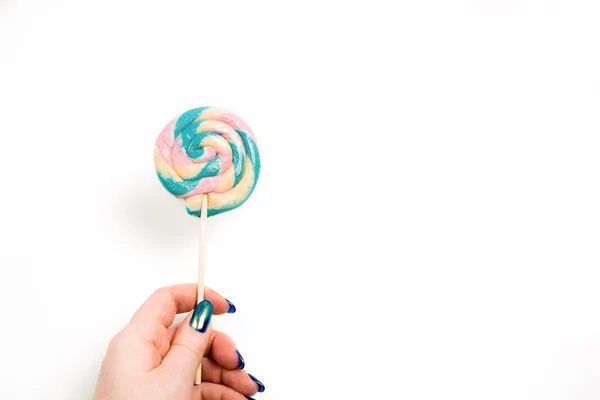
232, 308
261, 387
242, 362
201, 316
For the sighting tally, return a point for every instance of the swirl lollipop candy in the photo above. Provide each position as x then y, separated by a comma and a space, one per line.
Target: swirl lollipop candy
208, 151
207, 157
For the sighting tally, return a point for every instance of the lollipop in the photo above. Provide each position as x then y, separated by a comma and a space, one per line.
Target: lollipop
208, 151
207, 157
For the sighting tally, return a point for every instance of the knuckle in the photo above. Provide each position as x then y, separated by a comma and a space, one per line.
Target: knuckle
163, 292
189, 345
115, 342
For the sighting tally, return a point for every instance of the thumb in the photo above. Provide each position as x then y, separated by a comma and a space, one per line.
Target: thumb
190, 342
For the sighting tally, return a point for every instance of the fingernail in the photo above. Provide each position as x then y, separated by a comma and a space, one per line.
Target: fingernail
232, 308
249, 398
201, 316
242, 362
261, 387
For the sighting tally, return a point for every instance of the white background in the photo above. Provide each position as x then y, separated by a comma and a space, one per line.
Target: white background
426, 225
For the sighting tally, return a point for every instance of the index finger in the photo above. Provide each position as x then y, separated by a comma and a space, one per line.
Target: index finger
165, 303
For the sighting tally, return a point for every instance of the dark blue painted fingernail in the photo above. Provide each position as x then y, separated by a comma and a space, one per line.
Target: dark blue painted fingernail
261, 387
232, 308
249, 398
201, 316
242, 362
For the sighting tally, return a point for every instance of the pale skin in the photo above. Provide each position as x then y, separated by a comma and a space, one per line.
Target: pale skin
153, 359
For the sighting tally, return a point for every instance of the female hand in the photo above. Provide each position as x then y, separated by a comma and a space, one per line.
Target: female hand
152, 359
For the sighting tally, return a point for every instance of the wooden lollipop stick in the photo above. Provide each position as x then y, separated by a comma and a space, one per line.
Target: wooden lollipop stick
202, 265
